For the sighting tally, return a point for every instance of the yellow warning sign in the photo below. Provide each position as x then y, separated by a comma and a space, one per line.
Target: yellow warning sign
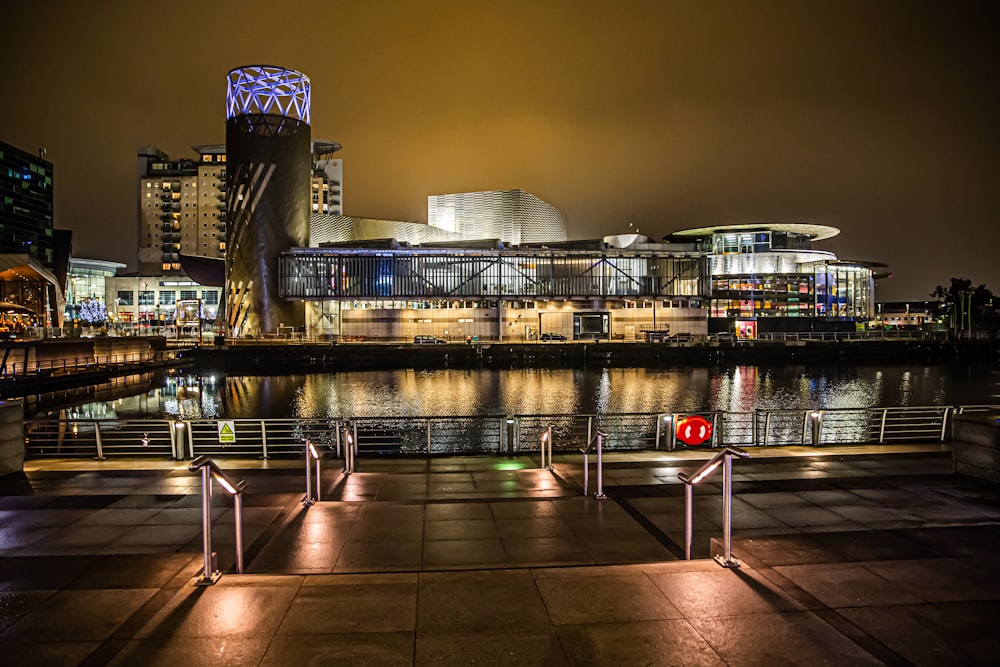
227, 432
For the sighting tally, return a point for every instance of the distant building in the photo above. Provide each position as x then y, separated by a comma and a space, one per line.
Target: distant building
182, 203
87, 282
767, 278
905, 314
26, 205
513, 216
141, 302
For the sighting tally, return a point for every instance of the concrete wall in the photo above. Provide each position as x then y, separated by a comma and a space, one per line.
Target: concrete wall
11, 437
976, 446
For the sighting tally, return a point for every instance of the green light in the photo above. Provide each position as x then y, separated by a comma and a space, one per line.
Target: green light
509, 465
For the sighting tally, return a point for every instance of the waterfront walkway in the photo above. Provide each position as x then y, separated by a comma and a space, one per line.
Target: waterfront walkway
859, 555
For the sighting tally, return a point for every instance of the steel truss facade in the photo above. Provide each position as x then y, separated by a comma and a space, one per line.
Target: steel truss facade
326, 274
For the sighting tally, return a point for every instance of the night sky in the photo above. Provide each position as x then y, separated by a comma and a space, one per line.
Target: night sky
881, 118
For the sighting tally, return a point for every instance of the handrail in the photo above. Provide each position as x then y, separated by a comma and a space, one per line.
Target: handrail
311, 454
598, 437
209, 471
725, 459
546, 448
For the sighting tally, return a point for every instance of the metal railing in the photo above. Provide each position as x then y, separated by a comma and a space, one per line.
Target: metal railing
13, 367
209, 471
486, 434
725, 459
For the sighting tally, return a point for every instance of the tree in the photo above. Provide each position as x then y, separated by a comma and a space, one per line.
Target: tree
93, 312
964, 305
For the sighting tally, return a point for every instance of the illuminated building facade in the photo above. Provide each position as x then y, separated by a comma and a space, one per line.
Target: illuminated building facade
496, 293
26, 224
513, 216
182, 208
768, 278
144, 302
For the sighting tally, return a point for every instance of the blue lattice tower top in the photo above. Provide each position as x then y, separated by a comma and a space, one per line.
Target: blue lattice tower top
269, 91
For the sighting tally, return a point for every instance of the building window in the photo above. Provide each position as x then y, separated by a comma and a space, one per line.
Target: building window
168, 297
189, 294
126, 297
147, 298
210, 297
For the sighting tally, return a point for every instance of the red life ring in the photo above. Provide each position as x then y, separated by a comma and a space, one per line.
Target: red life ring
694, 430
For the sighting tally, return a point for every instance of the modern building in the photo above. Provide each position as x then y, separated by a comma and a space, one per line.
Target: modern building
493, 292
513, 216
26, 205
134, 302
768, 278
144, 302
87, 286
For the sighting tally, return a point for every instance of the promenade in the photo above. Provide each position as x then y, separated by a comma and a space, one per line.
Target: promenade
850, 555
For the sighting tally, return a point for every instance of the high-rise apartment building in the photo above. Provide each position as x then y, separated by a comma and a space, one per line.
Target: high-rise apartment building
182, 208
182, 203
26, 205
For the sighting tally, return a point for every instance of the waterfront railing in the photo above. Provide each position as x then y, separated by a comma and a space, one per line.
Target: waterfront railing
510, 435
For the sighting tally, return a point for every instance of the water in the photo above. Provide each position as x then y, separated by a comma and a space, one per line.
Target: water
408, 392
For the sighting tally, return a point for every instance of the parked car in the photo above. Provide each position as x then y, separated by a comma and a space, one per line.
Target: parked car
553, 336
428, 340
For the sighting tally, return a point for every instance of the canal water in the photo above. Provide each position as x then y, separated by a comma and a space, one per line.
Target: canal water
408, 392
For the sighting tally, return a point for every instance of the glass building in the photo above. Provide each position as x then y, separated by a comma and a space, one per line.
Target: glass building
496, 293
768, 278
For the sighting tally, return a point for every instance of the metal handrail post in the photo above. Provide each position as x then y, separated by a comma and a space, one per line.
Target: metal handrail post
238, 511
100, 444
308, 500
726, 559
263, 437
586, 472
209, 574
190, 438
318, 477
600, 466
881, 429
656, 439
688, 520
178, 451
548, 444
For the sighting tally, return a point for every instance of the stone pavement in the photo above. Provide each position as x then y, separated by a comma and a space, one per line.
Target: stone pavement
849, 556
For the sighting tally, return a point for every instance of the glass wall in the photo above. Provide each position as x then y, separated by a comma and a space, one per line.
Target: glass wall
336, 274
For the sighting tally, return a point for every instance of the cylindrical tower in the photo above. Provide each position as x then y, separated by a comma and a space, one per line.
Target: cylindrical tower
268, 161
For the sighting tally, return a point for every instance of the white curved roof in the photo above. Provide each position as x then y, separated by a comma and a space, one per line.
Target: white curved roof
815, 232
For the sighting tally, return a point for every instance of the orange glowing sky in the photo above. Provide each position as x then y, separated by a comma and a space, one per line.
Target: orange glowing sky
875, 116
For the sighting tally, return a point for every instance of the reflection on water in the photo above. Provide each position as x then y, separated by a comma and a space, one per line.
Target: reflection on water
549, 391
